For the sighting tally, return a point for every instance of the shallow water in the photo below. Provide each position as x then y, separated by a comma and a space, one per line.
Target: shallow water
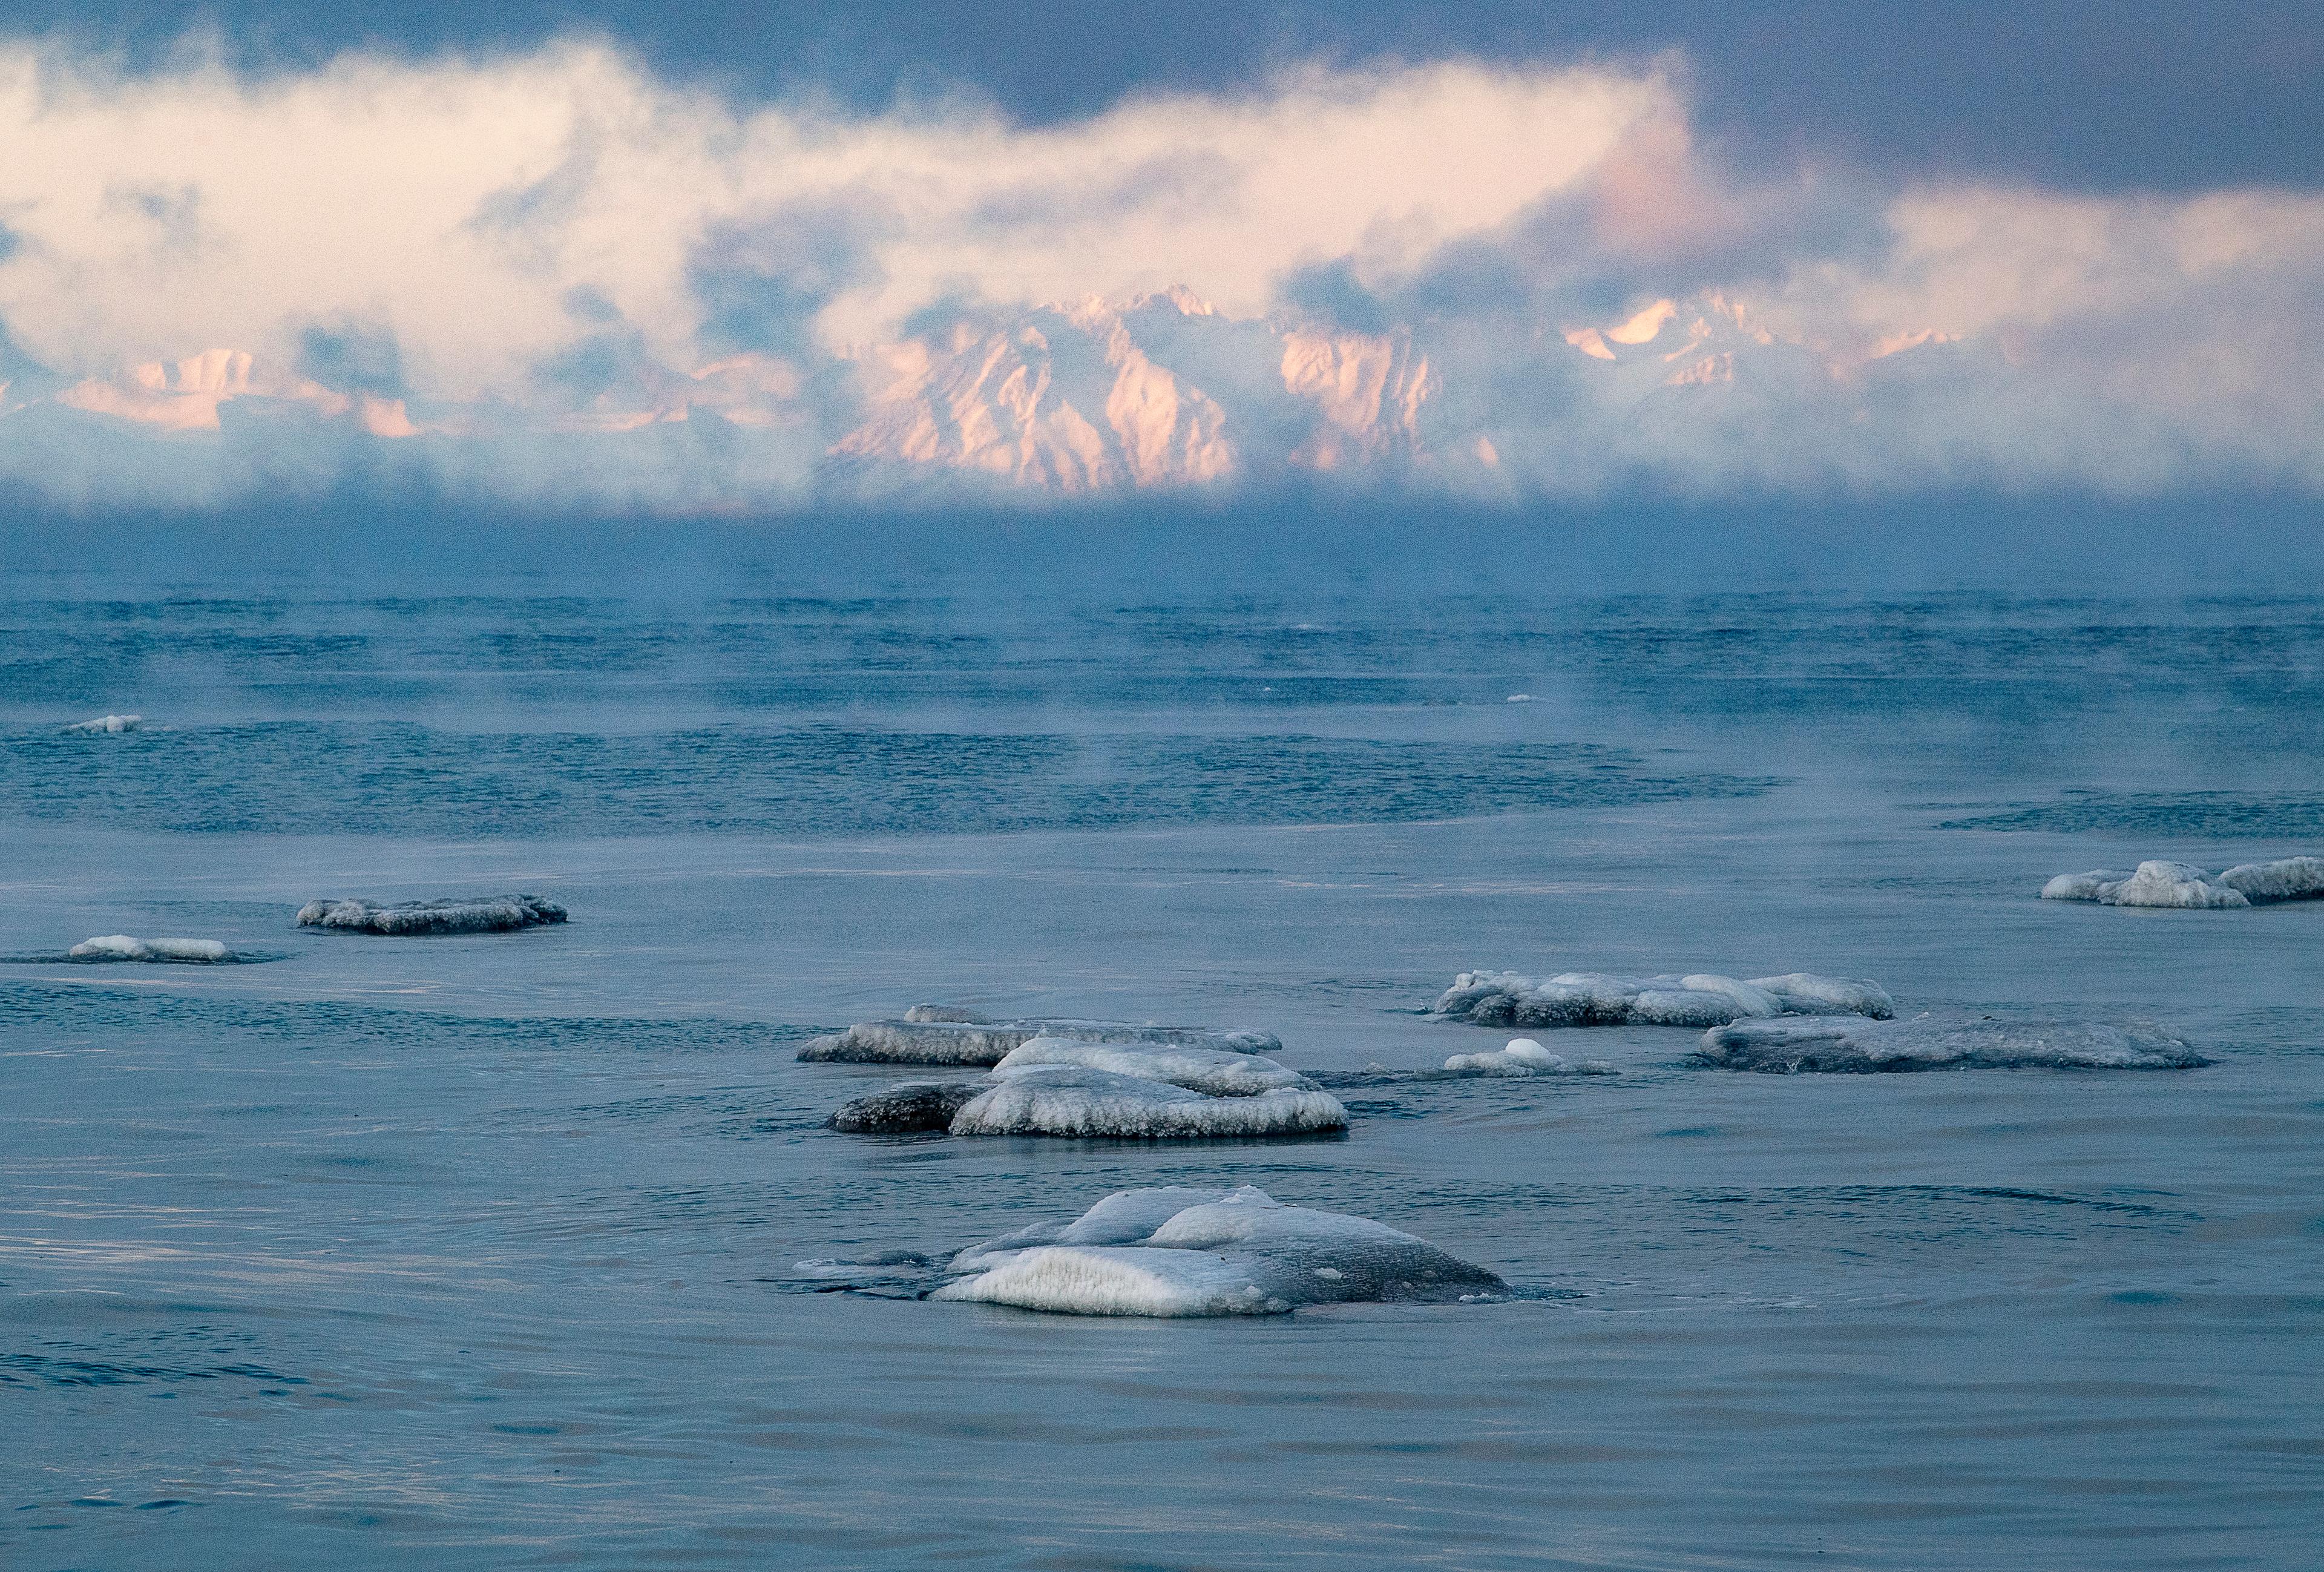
483, 1251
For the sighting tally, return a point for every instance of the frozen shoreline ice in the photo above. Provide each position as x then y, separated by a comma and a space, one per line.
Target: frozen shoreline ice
922, 1038
2184, 886
121, 946
1525, 1057
1698, 999
1834, 1047
1182, 1253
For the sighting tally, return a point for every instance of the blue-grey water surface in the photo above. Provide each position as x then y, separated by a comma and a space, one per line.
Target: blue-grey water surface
482, 1252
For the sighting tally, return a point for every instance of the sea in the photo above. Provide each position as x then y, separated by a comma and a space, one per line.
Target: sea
513, 1251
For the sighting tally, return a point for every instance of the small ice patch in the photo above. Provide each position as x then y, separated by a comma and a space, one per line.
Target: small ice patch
485, 914
1190, 1252
1072, 1101
2187, 887
922, 1038
106, 726
1699, 999
1938, 1043
1213, 1071
120, 947
1524, 1057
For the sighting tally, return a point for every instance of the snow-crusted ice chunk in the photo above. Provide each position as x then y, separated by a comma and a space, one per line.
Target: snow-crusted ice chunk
1209, 1070
1180, 1253
953, 1042
985, 1043
911, 1108
2288, 878
481, 914
120, 947
1938, 1043
1525, 1057
1069, 1100
2154, 883
1698, 999
107, 725
2186, 886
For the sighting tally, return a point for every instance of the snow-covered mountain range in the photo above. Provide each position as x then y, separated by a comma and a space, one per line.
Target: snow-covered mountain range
1099, 397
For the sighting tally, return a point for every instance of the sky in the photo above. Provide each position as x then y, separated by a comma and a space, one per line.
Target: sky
724, 258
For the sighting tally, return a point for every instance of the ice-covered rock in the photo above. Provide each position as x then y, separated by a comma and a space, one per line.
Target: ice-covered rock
2186, 886
2153, 883
911, 1108
1072, 1101
120, 947
1525, 1057
1192, 1253
107, 725
1797, 1047
1208, 1070
2287, 879
1698, 999
985, 1043
933, 1042
482, 914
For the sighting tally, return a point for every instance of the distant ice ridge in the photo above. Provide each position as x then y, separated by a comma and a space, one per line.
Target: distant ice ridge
481, 914
940, 1034
1525, 1057
120, 947
1936, 1043
1060, 1086
107, 725
1698, 999
2184, 885
1173, 1251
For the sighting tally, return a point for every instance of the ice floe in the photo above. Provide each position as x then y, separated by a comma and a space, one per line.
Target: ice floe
1175, 1251
1925, 1042
1056, 1085
120, 947
106, 726
1072, 1101
481, 914
1698, 999
2183, 885
1525, 1057
1211, 1070
921, 1037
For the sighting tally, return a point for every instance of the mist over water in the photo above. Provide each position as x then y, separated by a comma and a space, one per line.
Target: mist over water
485, 1250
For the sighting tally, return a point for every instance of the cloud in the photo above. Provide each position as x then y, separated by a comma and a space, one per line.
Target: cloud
554, 275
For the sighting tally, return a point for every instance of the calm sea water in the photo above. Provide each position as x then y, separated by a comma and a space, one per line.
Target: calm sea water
482, 1253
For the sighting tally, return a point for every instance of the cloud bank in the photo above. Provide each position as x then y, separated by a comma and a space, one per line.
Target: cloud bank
556, 279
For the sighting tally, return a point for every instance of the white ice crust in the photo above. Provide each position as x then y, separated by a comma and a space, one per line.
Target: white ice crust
1213, 1071
1699, 999
1525, 1057
1069, 1100
1192, 1253
107, 725
2186, 886
120, 947
922, 1037
1934, 1042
